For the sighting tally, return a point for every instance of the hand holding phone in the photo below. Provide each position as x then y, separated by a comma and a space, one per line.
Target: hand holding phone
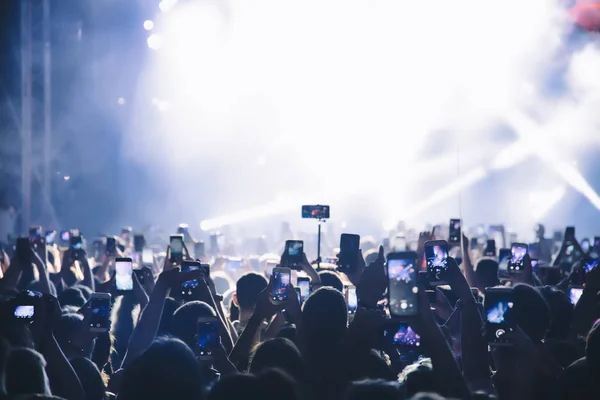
436, 256
497, 305
516, 262
281, 279
403, 292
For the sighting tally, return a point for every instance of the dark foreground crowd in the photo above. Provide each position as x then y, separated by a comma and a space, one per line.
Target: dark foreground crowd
81, 321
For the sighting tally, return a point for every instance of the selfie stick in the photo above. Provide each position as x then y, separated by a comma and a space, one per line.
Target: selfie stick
319, 246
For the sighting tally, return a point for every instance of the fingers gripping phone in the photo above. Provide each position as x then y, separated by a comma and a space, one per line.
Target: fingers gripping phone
349, 250
436, 256
124, 272
517, 255
402, 283
304, 285
100, 305
351, 299
281, 278
208, 337
295, 251
176, 247
497, 305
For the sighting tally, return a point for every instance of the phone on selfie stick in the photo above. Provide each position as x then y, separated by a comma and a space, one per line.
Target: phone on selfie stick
100, 305
320, 213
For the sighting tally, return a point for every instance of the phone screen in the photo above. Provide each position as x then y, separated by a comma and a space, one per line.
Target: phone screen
147, 256
349, 248
517, 254
65, 236
124, 280
436, 253
455, 234
352, 299
24, 312
176, 244
100, 307
503, 258
188, 287
406, 336
490, 248
589, 264
403, 291
318, 211
496, 304
233, 264
295, 249
304, 285
50, 237
596, 243
575, 294
76, 243
208, 337
281, 278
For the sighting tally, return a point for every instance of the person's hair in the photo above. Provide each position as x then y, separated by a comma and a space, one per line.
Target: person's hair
36, 286
85, 291
331, 279
234, 311
90, 378
370, 255
561, 312
374, 389
222, 284
236, 386
167, 370
166, 320
279, 353
67, 327
324, 317
427, 396
71, 297
487, 272
185, 320
247, 289
24, 373
530, 312
418, 377
276, 384
592, 349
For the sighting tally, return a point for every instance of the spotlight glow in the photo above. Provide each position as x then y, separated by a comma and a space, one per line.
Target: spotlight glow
155, 41
148, 25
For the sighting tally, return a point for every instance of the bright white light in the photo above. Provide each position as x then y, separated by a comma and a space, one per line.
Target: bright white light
163, 106
155, 41
121, 101
542, 202
66, 177
148, 25
166, 5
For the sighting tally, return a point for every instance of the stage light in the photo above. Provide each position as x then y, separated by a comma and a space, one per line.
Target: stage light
121, 101
148, 25
154, 41
166, 5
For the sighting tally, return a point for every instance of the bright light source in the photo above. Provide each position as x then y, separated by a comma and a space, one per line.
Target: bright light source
154, 41
148, 25
66, 177
166, 5
121, 101
163, 106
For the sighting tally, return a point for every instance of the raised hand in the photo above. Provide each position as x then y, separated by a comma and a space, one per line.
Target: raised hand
373, 282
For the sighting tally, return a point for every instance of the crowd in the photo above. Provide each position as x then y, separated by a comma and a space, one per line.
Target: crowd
116, 317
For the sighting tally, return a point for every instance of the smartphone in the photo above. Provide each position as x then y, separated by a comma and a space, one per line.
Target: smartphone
406, 337
589, 264
199, 250
503, 258
402, 283
304, 286
23, 250
575, 293
294, 250
111, 245
569, 233
316, 211
585, 245
498, 301
124, 271
50, 237
188, 288
24, 312
436, 256
176, 245
281, 278
517, 254
597, 243
100, 304
455, 232
299, 295
147, 256
349, 250
490, 248
139, 241
208, 337
351, 299
233, 264
65, 237
76, 243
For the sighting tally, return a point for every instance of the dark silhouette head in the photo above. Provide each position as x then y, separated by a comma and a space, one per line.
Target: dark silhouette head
247, 289
561, 312
418, 377
167, 370
592, 349
324, 318
90, 378
331, 279
166, 320
23, 362
71, 297
374, 389
185, 321
531, 312
279, 353
487, 272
